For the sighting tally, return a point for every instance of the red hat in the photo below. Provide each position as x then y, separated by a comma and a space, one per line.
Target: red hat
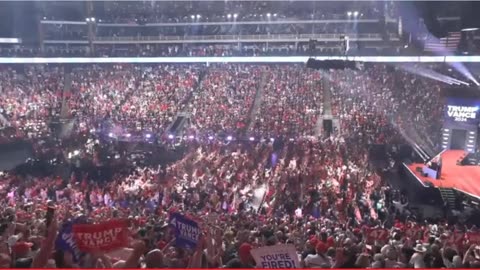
161, 244
22, 248
321, 248
244, 250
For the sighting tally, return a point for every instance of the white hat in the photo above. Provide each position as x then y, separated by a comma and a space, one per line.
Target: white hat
420, 248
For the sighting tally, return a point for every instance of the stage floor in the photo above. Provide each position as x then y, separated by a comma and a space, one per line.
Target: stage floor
462, 178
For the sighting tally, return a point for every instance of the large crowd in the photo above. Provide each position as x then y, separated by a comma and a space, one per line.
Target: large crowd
278, 179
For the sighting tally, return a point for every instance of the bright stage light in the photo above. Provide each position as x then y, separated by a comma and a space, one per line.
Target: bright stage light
170, 136
252, 139
229, 138
148, 136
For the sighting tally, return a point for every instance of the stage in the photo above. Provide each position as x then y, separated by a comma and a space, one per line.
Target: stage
462, 178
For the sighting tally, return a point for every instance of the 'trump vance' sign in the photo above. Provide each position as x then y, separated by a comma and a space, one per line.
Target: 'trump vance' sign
187, 231
106, 236
462, 113
279, 256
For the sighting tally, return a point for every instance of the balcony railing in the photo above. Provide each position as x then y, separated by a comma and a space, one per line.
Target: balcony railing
238, 38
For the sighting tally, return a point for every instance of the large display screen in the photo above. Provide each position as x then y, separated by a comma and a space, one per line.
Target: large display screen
462, 113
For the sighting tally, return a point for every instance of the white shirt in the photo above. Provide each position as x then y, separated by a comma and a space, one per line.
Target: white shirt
316, 261
417, 260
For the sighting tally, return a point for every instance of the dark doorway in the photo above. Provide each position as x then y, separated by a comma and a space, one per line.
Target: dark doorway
458, 139
328, 126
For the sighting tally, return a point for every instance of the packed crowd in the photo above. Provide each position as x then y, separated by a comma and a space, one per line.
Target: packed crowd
319, 194
225, 99
291, 101
130, 98
157, 12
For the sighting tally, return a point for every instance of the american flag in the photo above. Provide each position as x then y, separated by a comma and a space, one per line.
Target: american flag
449, 43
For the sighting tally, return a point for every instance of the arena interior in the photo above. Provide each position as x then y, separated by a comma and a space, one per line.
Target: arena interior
239, 134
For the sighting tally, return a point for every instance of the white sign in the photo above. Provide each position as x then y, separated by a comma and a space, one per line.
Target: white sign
462, 113
279, 256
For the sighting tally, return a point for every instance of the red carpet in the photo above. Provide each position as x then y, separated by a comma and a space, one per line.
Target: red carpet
462, 178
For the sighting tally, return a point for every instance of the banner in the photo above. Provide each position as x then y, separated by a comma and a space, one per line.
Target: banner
461, 113
279, 256
105, 236
377, 234
187, 231
66, 242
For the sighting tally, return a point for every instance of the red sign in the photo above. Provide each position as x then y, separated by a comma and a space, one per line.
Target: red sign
473, 237
456, 238
104, 237
377, 234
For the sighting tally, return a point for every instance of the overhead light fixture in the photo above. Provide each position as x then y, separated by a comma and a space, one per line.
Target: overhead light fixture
469, 29
349, 13
229, 16
355, 13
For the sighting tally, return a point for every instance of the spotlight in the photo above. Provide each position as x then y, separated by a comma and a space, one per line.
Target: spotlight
272, 139
198, 16
76, 152
235, 15
229, 138
44, 18
128, 135
355, 13
92, 19
191, 137
193, 17
252, 139
349, 13
268, 14
229, 16
148, 136
110, 135
170, 136
291, 139
210, 137
275, 15
87, 19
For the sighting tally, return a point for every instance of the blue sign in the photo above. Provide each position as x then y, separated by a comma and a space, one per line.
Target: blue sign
187, 231
66, 242
462, 113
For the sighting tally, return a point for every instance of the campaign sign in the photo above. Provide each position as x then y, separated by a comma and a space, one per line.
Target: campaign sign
462, 113
66, 242
187, 231
378, 234
105, 236
278, 256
